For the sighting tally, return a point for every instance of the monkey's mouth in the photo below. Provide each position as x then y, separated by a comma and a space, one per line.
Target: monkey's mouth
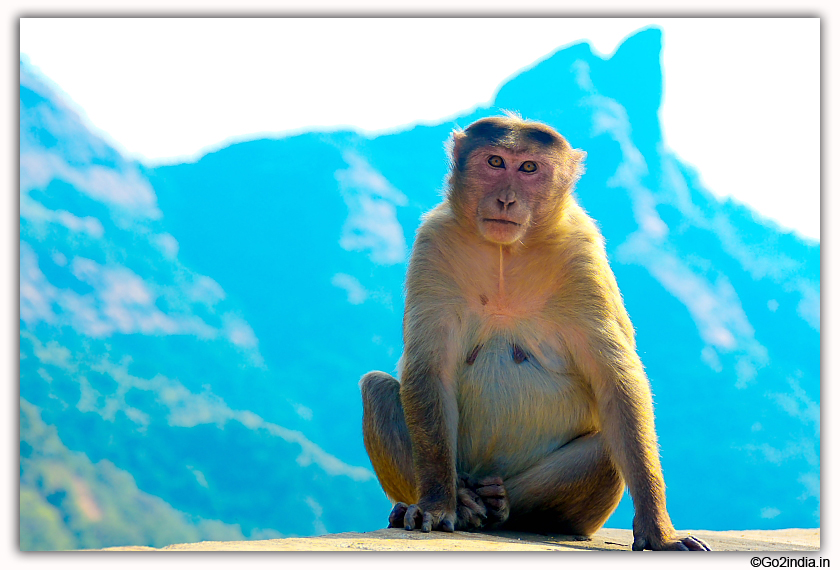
498, 221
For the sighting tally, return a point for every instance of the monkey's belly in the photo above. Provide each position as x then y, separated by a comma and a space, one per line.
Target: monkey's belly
515, 408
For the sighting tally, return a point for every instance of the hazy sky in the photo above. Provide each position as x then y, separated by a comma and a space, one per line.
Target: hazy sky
741, 96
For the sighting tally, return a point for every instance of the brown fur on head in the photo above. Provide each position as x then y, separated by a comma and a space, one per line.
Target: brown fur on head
510, 176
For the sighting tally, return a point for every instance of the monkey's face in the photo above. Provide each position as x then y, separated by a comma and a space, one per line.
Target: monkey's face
506, 191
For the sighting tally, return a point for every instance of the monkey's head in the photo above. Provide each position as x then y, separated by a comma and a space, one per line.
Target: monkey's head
510, 176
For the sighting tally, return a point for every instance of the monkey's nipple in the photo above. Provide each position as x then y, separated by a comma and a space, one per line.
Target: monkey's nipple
473, 355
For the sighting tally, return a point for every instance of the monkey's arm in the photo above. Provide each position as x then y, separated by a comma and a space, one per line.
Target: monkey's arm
605, 354
427, 390
431, 413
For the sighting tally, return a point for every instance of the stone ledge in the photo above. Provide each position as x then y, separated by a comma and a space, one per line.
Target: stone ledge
605, 539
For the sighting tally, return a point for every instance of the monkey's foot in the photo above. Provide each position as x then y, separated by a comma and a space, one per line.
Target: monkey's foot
481, 504
686, 543
412, 517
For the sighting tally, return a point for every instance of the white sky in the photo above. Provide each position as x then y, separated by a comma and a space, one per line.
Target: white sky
741, 96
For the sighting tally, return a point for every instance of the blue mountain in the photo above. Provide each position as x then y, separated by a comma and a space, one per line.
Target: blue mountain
192, 335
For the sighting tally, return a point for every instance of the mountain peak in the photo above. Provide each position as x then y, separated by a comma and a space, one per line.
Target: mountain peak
634, 74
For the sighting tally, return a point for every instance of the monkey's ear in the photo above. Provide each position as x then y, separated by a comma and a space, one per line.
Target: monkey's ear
577, 169
455, 145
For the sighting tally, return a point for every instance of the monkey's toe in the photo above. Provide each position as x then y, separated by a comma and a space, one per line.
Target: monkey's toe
694, 543
414, 518
397, 517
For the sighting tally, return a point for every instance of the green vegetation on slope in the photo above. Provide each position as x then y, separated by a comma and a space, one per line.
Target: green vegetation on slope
68, 502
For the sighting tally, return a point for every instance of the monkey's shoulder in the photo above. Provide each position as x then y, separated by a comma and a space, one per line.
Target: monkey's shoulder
439, 233
442, 253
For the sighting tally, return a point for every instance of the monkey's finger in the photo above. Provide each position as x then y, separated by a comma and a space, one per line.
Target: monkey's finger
491, 491
472, 512
413, 517
640, 543
447, 525
494, 503
477, 507
467, 519
472, 502
694, 543
466, 493
492, 480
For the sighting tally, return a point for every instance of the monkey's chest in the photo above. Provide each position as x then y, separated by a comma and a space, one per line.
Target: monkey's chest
516, 405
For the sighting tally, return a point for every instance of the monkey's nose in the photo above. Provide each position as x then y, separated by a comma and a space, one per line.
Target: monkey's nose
505, 200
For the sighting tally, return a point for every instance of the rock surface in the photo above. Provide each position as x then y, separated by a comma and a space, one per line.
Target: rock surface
604, 539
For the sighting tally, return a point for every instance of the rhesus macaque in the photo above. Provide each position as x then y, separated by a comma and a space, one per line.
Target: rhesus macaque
522, 402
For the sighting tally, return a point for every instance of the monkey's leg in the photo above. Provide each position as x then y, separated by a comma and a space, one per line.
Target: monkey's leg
571, 491
386, 436
389, 448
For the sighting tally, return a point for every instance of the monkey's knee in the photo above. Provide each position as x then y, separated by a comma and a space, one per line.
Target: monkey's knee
573, 491
386, 435
601, 492
377, 386
605, 493
381, 403
382, 409
579, 510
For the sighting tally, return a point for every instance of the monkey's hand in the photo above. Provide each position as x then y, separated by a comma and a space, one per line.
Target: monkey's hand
655, 539
481, 503
427, 519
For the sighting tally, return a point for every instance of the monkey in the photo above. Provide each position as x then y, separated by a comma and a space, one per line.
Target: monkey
522, 403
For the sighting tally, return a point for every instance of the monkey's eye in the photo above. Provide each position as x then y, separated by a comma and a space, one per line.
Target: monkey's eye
528, 166
496, 161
